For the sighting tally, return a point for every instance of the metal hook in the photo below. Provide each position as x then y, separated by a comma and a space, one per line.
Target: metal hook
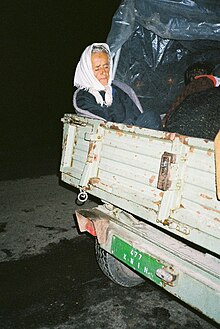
82, 196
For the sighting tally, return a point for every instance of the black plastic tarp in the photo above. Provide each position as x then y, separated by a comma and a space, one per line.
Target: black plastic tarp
158, 40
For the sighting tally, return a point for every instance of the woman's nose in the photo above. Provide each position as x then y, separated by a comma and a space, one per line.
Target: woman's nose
103, 71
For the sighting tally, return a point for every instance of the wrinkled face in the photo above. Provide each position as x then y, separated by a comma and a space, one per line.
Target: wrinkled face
100, 67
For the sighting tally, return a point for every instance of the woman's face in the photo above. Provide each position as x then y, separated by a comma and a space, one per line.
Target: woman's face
100, 67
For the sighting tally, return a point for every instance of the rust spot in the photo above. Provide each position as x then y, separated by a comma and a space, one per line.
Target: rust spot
104, 184
151, 179
211, 209
114, 127
119, 133
183, 139
198, 212
157, 203
192, 149
166, 222
161, 194
206, 196
209, 152
94, 180
90, 148
182, 206
170, 136
217, 219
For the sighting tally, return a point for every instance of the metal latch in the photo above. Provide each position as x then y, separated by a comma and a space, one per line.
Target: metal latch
164, 181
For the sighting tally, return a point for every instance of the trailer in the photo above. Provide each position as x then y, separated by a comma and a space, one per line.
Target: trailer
159, 212
160, 216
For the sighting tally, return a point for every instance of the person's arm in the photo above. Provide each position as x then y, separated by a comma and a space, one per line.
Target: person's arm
217, 162
86, 101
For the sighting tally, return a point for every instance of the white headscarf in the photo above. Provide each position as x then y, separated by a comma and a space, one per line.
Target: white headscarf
85, 79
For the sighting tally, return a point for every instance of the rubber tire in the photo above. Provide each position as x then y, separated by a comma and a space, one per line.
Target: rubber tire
116, 270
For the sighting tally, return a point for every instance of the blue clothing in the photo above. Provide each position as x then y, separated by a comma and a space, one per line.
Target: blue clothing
122, 109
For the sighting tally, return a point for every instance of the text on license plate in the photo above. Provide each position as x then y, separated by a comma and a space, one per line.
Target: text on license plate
139, 261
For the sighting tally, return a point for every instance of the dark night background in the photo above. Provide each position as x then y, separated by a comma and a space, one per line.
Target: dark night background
41, 43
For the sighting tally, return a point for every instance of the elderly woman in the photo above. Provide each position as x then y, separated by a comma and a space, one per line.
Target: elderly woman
99, 97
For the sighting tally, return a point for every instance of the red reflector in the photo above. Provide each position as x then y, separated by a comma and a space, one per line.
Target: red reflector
90, 228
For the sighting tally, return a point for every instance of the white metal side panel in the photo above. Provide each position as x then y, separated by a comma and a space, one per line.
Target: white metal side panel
122, 166
74, 148
199, 209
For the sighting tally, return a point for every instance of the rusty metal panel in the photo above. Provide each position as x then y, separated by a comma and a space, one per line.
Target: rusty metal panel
163, 178
123, 165
129, 165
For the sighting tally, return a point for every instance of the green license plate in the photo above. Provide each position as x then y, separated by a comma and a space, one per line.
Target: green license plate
139, 261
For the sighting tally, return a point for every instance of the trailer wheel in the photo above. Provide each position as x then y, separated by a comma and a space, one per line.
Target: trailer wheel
116, 270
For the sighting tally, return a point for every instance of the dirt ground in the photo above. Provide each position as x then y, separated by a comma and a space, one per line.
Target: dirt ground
35, 213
